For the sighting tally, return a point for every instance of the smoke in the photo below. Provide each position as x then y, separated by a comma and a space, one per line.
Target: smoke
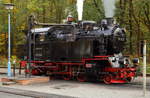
80, 9
109, 7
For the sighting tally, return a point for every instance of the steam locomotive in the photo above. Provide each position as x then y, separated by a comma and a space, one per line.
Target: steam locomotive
83, 51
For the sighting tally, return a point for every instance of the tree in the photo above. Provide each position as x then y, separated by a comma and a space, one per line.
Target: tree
136, 19
49, 11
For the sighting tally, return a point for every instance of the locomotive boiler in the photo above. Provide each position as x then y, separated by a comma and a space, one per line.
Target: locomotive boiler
85, 50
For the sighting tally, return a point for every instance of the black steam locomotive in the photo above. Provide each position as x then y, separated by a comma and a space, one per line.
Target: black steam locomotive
78, 51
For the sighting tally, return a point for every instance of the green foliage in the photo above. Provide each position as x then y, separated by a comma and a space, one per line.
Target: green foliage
47, 11
3, 61
92, 11
134, 15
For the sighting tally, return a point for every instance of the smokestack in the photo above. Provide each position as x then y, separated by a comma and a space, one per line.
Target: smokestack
109, 7
80, 9
107, 22
110, 21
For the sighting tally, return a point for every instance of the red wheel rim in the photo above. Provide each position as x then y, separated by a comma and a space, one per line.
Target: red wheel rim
35, 72
107, 79
81, 78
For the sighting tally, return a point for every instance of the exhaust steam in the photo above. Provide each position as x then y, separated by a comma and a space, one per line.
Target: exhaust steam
80, 9
109, 7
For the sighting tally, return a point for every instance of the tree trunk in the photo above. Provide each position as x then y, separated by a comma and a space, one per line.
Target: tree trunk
44, 12
96, 5
130, 24
120, 3
138, 39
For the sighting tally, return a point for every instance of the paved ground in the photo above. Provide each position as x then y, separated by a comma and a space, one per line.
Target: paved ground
81, 90
6, 92
7, 95
88, 90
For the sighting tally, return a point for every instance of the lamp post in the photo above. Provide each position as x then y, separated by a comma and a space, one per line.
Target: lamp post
9, 6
